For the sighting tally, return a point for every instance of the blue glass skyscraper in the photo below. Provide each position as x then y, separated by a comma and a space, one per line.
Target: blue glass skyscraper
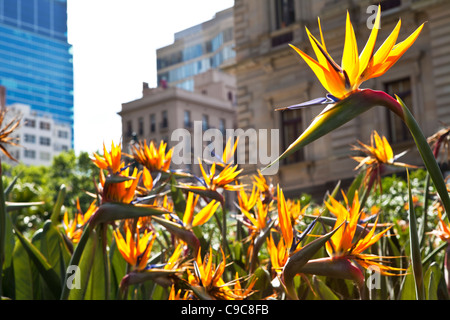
35, 58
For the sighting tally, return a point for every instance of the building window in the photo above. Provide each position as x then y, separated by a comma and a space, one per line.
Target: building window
284, 13
30, 154
129, 128
187, 119
152, 123
30, 123
389, 4
44, 125
397, 130
222, 126
63, 134
282, 39
165, 120
230, 96
140, 126
205, 124
291, 124
44, 156
44, 141
30, 138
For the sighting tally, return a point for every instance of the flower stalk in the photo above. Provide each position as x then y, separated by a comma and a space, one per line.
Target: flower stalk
415, 248
427, 155
297, 262
3, 214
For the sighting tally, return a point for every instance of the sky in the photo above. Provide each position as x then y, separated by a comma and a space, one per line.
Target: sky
114, 46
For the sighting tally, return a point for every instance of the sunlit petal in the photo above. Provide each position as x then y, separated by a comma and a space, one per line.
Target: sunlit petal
350, 58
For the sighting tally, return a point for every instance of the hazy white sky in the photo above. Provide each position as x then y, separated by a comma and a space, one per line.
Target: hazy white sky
114, 52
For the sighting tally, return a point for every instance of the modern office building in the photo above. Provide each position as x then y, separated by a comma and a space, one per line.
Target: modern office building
208, 45
270, 75
40, 137
35, 58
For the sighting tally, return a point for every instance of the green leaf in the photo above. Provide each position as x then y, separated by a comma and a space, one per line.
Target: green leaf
8, 244
199, 291
10, 187
355, 186
296, 261
181, 232
210, 194
118, 265
55, 216
432, 278
42, 265
408, 287
160, 276
324, 292
198, 232
263, 286
54, 248
434, 252
96, 287
179, 201
333, 194
3, 232
416, 258
257, 244
77, 284
76, 257
112, 211
427, 156
24, 284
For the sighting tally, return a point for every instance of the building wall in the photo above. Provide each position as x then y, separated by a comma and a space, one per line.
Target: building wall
40, 137
211, 99
270, 74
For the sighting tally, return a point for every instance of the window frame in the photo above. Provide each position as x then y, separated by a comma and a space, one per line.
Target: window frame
294, 119
392, 121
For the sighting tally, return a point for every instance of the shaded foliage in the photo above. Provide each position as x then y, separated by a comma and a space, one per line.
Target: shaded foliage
42, 184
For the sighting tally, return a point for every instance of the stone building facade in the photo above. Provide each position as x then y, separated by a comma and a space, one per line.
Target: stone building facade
163, 113
270, 75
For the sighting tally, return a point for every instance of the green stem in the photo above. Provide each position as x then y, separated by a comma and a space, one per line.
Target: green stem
427, 157
2, 229
415, 247
426, 197
224, 230
104, 230
431, 255
75, 259
225, 245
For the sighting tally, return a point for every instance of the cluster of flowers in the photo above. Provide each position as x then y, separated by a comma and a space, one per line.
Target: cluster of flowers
152, 208
271, 222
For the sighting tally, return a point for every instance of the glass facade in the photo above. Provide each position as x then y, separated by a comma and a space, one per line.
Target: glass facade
35, 58
179, 67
